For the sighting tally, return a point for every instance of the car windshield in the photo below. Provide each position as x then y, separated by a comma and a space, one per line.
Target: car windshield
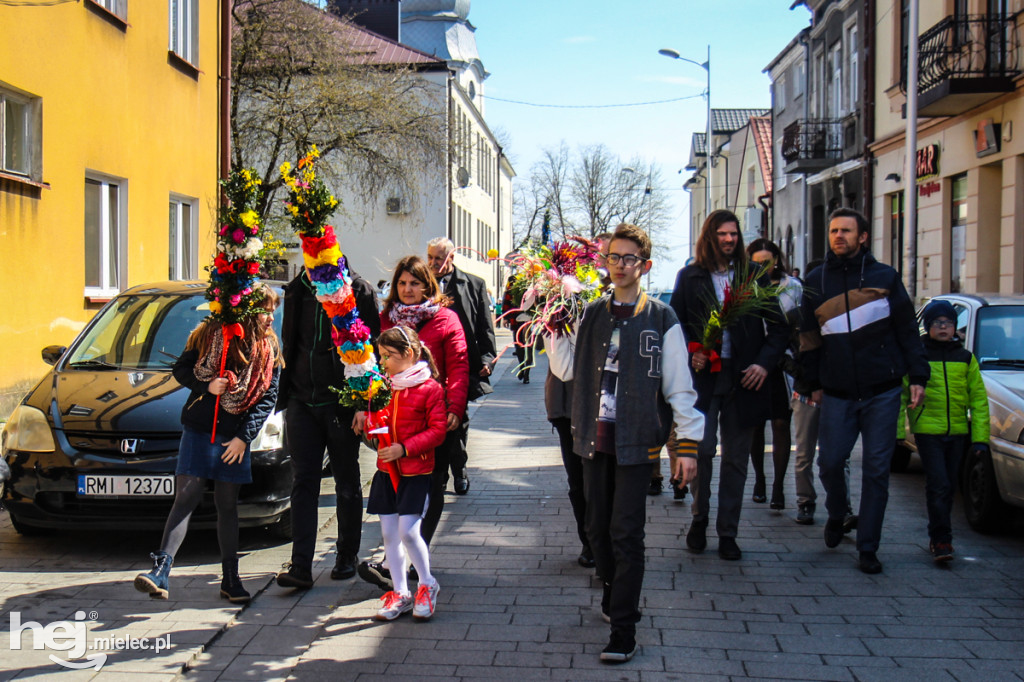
999, 338
141, 331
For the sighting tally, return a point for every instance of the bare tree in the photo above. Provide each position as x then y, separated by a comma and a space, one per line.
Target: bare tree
591, 193
301, 76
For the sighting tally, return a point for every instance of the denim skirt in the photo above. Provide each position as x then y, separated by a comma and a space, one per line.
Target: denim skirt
197, 456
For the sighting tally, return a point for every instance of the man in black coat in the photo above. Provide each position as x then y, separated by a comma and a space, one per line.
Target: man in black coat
314, 421
471, 303
735, 397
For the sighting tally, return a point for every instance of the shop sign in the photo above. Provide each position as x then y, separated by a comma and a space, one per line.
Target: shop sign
927, 162
986, 138
929, 188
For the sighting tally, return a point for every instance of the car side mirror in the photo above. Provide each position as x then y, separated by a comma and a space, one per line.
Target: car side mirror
51, 354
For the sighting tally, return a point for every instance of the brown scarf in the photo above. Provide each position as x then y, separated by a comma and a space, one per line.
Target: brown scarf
245, 388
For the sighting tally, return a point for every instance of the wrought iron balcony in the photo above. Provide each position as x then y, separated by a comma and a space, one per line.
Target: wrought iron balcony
812, 145
965, 61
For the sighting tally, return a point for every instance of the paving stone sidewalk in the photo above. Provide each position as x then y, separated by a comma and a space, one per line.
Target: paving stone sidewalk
514, 603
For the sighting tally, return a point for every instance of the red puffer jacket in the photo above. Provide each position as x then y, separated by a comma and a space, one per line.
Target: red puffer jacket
444, 337
417, 421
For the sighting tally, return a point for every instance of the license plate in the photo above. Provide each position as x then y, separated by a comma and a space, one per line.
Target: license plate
95, 485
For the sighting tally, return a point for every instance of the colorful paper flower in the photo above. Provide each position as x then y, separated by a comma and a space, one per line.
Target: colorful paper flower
365, 386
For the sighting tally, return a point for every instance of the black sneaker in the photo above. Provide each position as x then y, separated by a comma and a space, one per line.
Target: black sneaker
586, 558
655, 487
833, 532
621, 648
375, 574
869, 563
344, 567
296, 577
697, 538
805, 515
461, 483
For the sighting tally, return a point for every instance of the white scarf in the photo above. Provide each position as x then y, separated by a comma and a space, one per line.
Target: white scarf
414, 376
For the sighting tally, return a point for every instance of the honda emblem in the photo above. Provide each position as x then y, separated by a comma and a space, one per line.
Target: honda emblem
129, 446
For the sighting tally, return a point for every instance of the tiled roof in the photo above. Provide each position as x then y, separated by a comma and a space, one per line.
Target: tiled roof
761, 127
700, 144
730, 120
361, 45
372, 48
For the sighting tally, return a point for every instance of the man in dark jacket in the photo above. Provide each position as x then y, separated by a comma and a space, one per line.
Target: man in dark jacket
314, 422
472, 304
734, 397
859, 339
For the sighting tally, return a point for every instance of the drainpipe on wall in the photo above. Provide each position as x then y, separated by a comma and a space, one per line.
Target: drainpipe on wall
225, 88
804, 192
451, 150
868, 134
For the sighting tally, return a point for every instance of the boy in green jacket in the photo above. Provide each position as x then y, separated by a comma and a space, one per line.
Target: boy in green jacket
954, 413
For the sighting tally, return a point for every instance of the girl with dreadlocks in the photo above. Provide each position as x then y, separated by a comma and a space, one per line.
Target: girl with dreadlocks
221, 417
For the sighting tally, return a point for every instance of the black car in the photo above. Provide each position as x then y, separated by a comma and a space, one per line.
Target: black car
94, 444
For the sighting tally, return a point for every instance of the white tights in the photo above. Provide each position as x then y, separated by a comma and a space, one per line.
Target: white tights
402, 536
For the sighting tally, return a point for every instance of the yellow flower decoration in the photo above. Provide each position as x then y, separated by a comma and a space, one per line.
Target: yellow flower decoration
249, 218
492, 254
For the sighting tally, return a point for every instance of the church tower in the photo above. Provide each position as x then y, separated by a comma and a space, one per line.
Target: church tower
441, 28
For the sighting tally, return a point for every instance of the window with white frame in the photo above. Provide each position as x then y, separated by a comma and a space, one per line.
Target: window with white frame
104, 230
184, 29
780, 93
798, 79
20, 135
780, 164
183, 242
853, 72
818, 85
835, 58
118, 7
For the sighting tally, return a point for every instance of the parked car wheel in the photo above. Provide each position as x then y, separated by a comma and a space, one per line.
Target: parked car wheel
986, 512
900, 459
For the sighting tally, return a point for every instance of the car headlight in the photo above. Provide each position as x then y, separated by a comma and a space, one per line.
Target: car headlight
271, 436
28, 431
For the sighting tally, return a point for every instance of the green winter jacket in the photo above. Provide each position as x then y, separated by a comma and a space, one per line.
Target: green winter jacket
955, 401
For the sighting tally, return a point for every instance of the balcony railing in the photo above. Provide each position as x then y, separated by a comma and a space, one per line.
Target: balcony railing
810, 145
964, 60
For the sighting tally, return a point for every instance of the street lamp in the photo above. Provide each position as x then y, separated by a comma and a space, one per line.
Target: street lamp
674, 54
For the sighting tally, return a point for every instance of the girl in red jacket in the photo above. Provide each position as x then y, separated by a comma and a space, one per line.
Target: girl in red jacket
400, 491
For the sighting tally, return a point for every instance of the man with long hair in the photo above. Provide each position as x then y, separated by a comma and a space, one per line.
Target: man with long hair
734, 396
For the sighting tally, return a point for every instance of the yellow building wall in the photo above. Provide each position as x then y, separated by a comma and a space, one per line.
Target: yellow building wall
113, 102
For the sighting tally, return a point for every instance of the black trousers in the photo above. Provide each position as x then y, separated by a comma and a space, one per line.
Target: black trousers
458, 457
310, 430
616, 515
573, 464
443, 458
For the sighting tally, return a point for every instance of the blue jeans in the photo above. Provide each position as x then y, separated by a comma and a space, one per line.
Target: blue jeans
940, 456
874, 420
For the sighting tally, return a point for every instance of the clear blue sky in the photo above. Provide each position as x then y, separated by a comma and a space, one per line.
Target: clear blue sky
602, 52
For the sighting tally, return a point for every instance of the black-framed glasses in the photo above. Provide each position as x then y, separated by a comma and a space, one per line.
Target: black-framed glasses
628, 260
943, 324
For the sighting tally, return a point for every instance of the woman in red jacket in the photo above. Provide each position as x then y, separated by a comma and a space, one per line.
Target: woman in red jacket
400, 490
415, 301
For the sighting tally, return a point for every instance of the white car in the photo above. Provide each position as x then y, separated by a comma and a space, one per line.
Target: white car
992, 327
